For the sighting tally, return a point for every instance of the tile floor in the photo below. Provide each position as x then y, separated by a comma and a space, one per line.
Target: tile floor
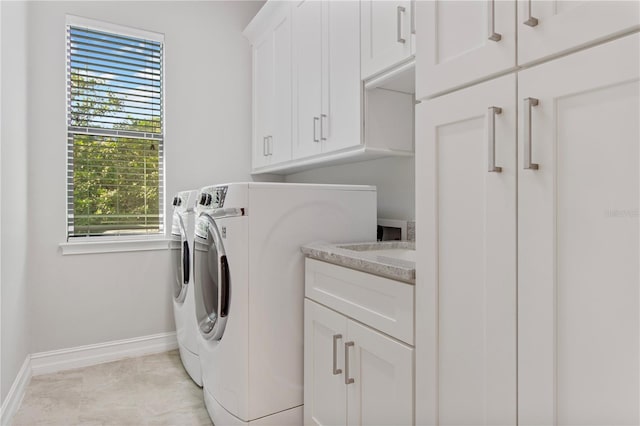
150, 390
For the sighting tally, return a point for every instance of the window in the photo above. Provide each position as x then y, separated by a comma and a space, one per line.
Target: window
115, 161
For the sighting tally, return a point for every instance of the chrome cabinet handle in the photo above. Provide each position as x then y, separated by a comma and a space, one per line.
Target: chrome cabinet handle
315, 129
399, 11
269, 145
336, 370
528, 104
264, 146
531, 21
347, 379
493, 35
323, 120
491, 138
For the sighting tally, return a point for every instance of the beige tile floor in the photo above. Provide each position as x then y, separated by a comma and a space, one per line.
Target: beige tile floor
149, 390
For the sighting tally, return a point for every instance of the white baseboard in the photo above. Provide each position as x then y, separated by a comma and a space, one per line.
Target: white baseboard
16, 393
84, 356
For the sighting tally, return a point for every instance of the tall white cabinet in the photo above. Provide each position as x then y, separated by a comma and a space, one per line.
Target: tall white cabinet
528, 237
466, 311
579, 237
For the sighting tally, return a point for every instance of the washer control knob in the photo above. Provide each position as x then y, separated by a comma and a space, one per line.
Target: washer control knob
208, 199
203, 199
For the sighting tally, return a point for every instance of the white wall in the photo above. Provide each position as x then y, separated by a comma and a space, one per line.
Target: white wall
13, 226
394, 178
84, 299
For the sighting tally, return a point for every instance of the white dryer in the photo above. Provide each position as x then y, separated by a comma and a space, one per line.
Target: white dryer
249, 275
182, 234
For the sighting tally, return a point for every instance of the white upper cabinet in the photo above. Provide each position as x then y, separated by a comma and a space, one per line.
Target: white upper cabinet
341, 118
461, 42
309, 105
547, 28
270, 37
466, 292
307, 78
263, 95
579, 238
387, 34
327, 89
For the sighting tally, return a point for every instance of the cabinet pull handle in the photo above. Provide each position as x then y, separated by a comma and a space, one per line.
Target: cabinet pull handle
315, 129
269, 145
491, 138
399, 11
323, 120
528, 104
413, 16
336, 370
264, 146
347, 379
531, 21
493, 35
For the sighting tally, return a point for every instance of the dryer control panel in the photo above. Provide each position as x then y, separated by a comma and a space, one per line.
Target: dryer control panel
213, 197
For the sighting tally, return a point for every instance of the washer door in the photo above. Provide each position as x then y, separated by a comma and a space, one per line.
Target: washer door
211, 271
180, 254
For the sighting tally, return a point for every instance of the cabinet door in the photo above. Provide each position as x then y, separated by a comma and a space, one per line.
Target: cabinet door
460, 42
263, 93
466, 279
325, 399
547, 27
341, 121
578, 239
386, 34
382, 373
307, 43
280, 144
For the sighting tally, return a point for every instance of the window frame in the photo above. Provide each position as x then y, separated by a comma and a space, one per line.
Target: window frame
124, 242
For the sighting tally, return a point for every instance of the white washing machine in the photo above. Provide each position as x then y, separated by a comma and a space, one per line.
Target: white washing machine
184, 311
249, 275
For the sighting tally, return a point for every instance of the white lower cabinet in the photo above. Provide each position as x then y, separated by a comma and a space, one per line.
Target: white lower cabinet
353, 373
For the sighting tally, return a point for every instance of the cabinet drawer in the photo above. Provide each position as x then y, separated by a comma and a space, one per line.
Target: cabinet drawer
381, 303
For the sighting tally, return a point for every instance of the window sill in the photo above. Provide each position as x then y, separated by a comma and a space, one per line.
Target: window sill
114, 246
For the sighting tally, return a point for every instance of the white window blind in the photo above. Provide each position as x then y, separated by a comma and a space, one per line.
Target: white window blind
115, 161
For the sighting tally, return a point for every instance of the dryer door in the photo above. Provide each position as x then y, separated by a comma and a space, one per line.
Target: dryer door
211, 272
180, 255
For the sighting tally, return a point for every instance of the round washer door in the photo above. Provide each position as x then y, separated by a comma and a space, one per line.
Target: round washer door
211, 272
180, 254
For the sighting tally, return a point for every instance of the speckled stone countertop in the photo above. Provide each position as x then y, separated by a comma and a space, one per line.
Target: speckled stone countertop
359, 256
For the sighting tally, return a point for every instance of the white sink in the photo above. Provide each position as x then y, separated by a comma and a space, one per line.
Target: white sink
397, 253
398, 250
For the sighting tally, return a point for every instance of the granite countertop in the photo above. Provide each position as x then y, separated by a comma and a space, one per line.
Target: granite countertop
363, 257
